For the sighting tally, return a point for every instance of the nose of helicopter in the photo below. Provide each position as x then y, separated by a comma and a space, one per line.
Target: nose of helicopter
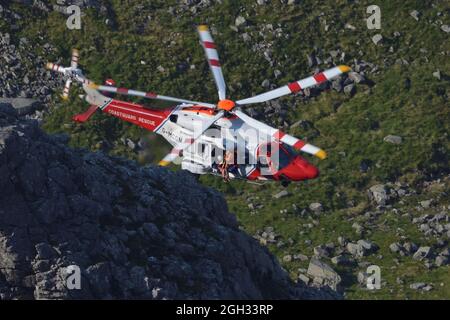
300, 169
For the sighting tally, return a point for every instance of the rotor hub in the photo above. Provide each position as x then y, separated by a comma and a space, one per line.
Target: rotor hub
226, 105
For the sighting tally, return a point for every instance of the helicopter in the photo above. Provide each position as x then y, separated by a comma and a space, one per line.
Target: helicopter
210, 138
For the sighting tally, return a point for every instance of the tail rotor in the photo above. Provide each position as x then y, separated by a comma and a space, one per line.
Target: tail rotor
70, 73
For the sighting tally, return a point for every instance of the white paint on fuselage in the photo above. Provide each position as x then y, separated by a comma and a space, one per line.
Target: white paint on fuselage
227, 131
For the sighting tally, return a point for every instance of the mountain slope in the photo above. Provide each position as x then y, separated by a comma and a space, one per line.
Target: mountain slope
400, 87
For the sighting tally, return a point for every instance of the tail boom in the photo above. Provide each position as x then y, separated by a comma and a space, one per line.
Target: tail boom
149, 119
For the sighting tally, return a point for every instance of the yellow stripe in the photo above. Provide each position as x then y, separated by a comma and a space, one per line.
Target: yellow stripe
344, 68
321, 154
203, 27
49, 65
164, 163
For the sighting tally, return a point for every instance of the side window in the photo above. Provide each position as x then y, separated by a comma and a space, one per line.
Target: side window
173, 118
262, 161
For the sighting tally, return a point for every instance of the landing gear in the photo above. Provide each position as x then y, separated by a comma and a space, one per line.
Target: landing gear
285, 183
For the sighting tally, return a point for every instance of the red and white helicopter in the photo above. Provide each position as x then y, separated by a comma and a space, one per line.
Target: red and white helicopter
188, 125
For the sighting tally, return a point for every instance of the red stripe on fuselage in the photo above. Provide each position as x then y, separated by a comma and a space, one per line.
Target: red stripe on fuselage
149, 119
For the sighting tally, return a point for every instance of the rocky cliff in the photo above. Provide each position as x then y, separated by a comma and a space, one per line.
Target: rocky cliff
134, 232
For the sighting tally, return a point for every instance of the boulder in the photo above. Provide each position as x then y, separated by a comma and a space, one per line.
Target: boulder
422, 253
377, 39
323, 274
393, 139
378, 194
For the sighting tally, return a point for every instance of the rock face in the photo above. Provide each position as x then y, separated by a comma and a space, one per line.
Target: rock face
23, 106
133, 232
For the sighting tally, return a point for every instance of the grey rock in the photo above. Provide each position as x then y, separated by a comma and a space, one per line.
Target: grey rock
311, 60
377, 39
240, 21
426, 203
445, 28
358, 228
441, 261
368, 246
300, 257
437, 74
246, 37
362, 277
417, 285
22, 105
281, 194
323, 274
415, 14
393, 139
356, 77
349, 89
340, 260
305, 279
342, 241
320, 251
356, 249
265, 83
422, 253
349, 27
316, 207
410, 247
395, 247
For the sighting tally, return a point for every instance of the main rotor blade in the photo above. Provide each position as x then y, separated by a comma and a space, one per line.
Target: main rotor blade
176, 151
148, 95
281, 136
295, 87
213, 59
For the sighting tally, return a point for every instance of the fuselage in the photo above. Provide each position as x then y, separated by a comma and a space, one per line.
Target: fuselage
255, 154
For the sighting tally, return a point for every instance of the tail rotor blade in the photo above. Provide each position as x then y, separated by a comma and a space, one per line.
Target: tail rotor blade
75, 57
296, 86
213, 59
66, 90
55, 67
